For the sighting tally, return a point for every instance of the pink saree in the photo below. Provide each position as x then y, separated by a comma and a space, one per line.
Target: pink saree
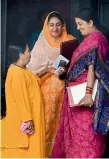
75, 136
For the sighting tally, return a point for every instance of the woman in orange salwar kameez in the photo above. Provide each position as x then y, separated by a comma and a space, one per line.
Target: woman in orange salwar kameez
47, 49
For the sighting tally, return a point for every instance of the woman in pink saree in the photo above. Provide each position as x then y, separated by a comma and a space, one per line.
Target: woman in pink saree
81, 131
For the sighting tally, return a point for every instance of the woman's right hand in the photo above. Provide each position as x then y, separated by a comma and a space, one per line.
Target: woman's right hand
27, 127
44, 71
30, 126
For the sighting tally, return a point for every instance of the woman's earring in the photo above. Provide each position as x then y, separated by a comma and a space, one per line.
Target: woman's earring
90, 25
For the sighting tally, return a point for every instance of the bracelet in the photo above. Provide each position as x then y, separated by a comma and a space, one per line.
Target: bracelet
89, 87
88, 92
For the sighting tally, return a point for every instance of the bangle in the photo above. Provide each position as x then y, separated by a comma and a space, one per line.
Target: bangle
89, 87
88, 91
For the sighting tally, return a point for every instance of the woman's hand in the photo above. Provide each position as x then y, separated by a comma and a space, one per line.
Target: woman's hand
30, 127
44, 71
27, 127
60, 71
87, 100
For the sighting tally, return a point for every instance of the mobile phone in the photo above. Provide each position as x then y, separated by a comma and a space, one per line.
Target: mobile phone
62, 63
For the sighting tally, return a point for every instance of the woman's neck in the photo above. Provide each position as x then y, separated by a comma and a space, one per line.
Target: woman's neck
94, 29
56, 40
19, 65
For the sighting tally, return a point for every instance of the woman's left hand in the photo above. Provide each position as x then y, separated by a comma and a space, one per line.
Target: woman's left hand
62, 70
87, 100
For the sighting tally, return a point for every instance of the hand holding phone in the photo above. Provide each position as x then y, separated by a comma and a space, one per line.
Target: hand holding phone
62, 63
60, 71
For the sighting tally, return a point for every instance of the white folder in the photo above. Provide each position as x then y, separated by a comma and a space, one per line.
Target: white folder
77, 92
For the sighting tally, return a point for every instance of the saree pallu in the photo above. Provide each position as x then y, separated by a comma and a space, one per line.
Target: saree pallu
53, 92
81, 130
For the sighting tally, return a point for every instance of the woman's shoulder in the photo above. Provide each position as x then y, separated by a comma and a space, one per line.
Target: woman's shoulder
99, 35
96, 38
102, 40
15, 70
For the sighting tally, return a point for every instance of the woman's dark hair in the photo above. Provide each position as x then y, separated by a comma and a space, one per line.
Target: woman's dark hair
57, 15
17, 46
88, 14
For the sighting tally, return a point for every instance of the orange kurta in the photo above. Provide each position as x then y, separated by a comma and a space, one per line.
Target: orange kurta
53, 91
24, 102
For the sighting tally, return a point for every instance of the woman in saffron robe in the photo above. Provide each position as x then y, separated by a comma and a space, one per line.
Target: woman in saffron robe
23, 124
81, 131
47, 49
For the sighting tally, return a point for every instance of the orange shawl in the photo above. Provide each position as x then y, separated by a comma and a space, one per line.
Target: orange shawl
64, 36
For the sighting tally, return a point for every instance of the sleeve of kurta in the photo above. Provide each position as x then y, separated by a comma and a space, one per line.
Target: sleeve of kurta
20, 92
38, 80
